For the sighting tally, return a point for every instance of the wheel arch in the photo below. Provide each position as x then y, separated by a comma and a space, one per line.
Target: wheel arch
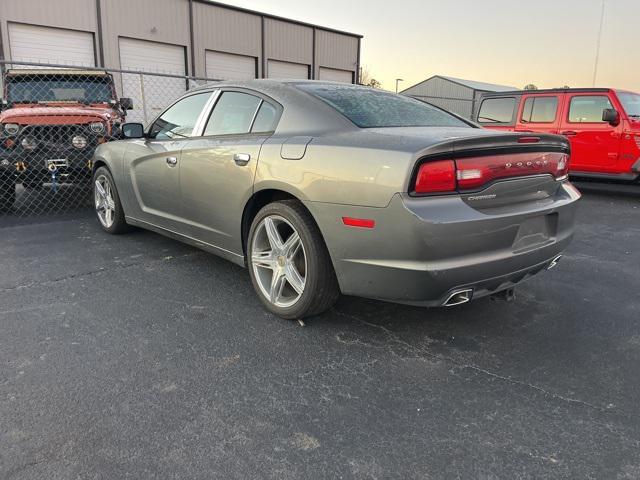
258, 200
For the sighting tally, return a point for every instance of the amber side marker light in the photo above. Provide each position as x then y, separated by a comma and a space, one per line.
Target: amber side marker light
358, 222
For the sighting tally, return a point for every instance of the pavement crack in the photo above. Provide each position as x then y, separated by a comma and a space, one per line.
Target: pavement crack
89, 273
461, 366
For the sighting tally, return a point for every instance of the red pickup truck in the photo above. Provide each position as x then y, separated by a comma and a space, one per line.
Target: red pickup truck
603, 125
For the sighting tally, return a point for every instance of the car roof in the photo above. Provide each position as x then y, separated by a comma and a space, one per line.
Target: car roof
548, 90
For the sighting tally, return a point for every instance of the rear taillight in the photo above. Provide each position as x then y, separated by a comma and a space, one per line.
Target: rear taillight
442, 176
436, 177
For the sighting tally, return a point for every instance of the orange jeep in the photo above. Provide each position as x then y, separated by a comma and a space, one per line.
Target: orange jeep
50, 124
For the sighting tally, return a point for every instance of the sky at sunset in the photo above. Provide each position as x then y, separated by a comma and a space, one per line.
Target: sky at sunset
550, 43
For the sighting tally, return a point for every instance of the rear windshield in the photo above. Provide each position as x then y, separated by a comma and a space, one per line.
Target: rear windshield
369, 108
631, 103
61, 88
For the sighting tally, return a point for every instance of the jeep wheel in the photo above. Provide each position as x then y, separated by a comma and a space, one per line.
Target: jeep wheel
7, 192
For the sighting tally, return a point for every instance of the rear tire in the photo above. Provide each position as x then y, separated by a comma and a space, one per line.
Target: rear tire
295, 278
7, 192
107, 203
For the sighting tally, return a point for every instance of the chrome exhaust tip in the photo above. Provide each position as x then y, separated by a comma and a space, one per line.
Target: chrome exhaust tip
458, 297
554, 262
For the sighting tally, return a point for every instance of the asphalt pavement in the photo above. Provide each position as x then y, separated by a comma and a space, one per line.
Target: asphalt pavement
139, 357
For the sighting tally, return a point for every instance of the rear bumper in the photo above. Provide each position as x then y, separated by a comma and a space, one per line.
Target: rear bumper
423, 249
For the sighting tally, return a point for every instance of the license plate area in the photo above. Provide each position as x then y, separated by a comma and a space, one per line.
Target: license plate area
535, 232
54, 164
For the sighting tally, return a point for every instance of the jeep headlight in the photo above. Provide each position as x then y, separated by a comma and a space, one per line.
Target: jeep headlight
11, 128
97, 127
29, 143
79, 142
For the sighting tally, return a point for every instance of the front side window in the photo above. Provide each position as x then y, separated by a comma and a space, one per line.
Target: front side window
368, 107
59, 88
180, 119
631, 103
540, 110
233, 114
497, 110
588, 109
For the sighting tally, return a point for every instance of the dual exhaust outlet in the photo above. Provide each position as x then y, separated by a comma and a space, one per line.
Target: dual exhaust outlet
458, 297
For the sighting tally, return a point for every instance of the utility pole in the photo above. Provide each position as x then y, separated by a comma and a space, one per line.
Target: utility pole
595, 67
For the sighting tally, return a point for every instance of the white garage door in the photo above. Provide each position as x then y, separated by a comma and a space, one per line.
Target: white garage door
335, 75
278, 69
31, 43
154, 93
229, 66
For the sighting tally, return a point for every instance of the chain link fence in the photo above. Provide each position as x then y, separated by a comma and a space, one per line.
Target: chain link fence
53, 117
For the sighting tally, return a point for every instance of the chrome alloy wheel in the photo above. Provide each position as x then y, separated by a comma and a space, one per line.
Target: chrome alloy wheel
278, 260
105, 205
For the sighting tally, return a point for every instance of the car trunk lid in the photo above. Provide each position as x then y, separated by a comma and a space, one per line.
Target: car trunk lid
496, 170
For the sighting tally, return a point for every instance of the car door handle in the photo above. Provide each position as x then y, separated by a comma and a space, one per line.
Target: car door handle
172, 161
241, 159
568, 133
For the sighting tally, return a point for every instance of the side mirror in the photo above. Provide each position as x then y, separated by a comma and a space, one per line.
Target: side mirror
611, 116
132, 130
126, 103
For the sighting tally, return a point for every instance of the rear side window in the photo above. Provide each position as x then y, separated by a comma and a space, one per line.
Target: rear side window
370, 108
540, 110
588, 109
265, 119
497, 110
233, 114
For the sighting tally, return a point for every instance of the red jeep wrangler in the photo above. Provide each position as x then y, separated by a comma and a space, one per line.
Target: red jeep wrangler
50, 124
602, 124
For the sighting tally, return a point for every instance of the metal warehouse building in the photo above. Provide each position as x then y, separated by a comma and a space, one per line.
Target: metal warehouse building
184, 37
454, 94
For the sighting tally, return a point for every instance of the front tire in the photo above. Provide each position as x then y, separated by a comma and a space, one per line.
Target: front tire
289, 264
107, 203
7, 192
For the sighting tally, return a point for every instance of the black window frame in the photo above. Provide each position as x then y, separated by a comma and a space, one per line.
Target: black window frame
514, 110
264, 98
535, 98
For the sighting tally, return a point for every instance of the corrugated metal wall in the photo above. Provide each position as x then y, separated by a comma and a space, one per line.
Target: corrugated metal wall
334, 50
445, 94
223, 30
167, 21
71, 14
288, 42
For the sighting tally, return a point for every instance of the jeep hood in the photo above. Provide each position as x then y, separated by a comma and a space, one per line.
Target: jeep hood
56, 114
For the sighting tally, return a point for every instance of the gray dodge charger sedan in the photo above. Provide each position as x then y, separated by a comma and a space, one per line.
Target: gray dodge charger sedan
323, 188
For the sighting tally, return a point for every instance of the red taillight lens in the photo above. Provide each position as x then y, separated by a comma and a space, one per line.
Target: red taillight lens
436, 177
475, 172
